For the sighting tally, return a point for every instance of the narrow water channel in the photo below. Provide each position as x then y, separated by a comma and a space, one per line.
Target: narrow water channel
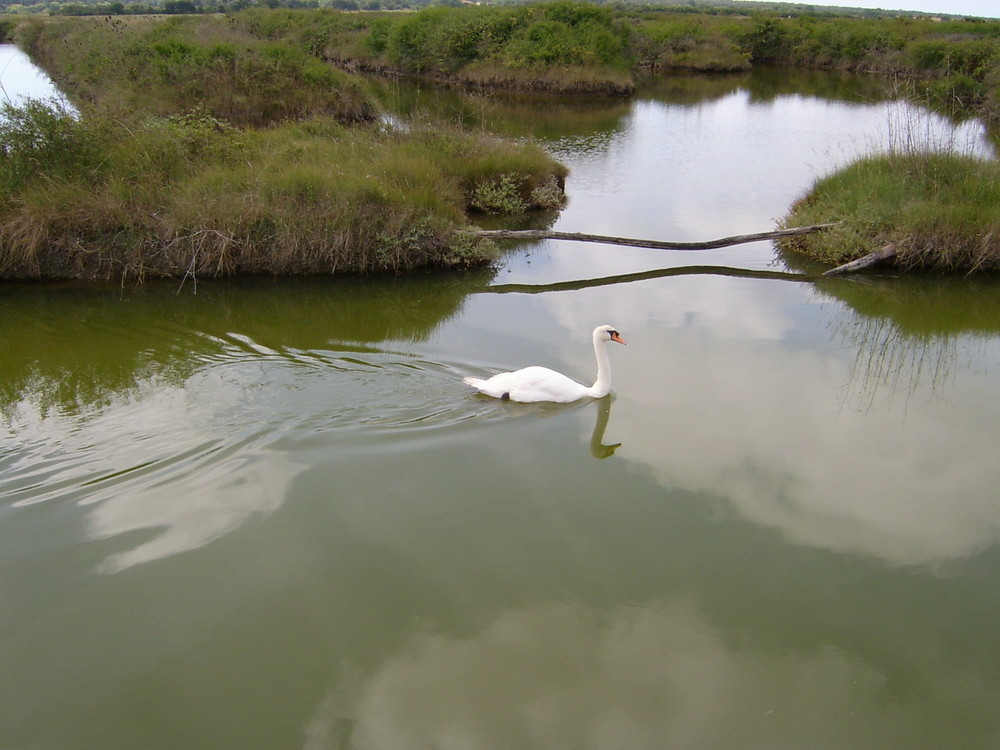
20, 79
269, 514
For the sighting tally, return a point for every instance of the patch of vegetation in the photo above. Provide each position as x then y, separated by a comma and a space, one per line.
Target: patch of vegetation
97, 196
168, 66
499, 196
557, 46
698, 43
708, 7
938, 209
570, 46
954, 62
270, 67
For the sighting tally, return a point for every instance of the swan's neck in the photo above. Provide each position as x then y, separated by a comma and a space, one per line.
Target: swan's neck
602, 387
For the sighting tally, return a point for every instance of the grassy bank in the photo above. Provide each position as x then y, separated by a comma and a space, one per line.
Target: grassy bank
144, 184
168, 66
577, 47
939, 210
559, 46
237, 63
955, 63
97, 196
202, 148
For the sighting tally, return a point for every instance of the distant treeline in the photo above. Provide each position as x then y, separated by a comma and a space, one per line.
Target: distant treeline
171, 7
189, 7
195, 7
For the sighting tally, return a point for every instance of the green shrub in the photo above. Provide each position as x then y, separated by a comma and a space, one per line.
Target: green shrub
501, 195
767, 41
44, 139
7, 27
545, 39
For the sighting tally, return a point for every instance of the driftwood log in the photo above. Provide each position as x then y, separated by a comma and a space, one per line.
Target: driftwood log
866, 261
739, 239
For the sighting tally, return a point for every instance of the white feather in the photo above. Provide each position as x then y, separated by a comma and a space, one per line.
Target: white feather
542, 384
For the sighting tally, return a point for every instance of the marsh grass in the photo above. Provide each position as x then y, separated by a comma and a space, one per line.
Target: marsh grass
565, 46
932, 193
235, 64
691, 42
216, 146
562, 46
168, 66
92, 196
938, 208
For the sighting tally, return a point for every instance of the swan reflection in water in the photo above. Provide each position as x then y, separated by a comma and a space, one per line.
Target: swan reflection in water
597, 447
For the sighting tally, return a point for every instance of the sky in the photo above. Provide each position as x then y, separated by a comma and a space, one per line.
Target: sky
982, 8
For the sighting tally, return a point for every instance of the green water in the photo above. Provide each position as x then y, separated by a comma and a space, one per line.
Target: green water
268, 513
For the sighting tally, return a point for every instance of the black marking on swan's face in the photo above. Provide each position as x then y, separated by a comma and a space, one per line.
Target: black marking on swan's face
613, 335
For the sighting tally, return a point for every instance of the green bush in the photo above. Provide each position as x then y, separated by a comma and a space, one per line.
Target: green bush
539, 38
45, 140
501, 195
686, 41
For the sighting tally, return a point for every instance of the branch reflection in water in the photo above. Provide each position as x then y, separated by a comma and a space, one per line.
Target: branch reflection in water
908, 331
628, 278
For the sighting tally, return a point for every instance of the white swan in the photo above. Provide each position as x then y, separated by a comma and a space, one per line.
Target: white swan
543, 384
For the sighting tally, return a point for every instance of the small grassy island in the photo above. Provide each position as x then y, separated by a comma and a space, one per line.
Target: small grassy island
932, 210
215, 144
102, 197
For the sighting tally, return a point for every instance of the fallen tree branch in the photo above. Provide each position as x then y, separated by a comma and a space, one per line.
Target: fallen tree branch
865, 261
544, 234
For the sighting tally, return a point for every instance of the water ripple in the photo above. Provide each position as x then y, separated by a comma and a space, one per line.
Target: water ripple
188, 460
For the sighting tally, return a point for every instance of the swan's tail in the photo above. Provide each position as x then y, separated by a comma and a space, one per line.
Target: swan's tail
476, 383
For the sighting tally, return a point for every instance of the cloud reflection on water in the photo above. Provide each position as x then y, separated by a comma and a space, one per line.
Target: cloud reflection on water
760, 426
161, 473
564, 675
741, 394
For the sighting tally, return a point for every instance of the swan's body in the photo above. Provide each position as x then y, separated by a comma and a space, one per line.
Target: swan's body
542, 384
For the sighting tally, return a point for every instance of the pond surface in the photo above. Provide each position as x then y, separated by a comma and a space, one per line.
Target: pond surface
268, 514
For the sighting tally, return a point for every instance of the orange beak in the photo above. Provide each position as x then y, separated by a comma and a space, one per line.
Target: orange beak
616, 337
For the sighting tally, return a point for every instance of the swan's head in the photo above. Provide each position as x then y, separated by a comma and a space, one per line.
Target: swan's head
608, 333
